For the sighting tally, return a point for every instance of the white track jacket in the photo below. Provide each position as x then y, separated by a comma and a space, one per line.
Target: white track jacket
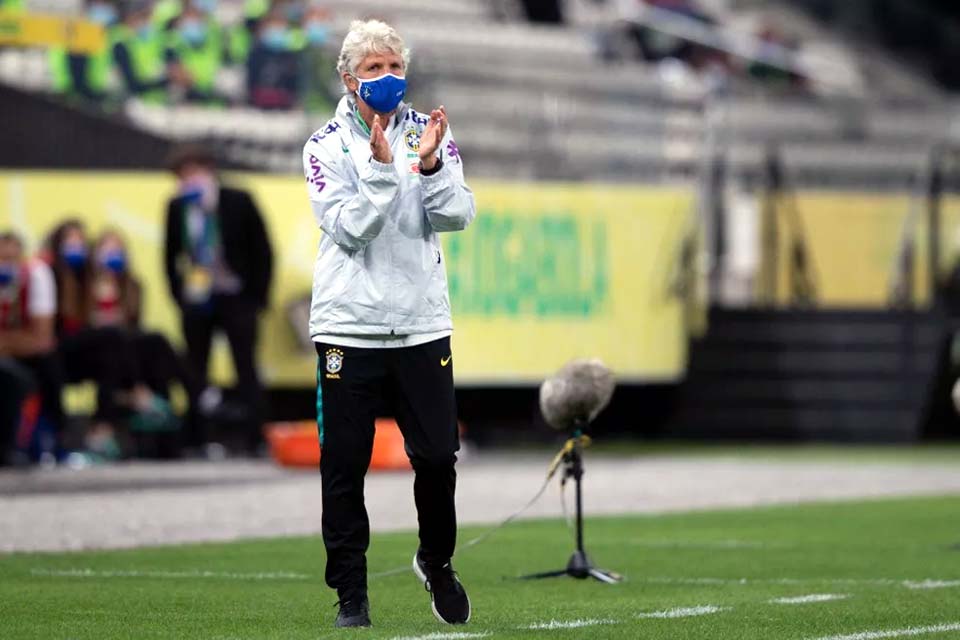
380, 269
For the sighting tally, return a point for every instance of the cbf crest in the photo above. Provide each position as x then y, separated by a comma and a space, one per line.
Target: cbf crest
334, 363
412, 138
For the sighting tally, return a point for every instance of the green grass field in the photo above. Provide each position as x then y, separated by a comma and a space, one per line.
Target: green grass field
896, 564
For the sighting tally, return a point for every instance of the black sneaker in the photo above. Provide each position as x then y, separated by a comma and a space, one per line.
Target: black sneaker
448, 600
354, 612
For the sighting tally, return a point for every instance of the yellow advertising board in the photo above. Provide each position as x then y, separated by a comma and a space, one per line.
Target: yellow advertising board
547, 272
854, 238
37, 30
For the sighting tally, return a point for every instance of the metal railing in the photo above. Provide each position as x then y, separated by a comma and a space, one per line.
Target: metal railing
938, 179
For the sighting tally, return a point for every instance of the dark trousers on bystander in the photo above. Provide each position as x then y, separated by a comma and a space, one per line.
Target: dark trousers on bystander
236, 316
107, 357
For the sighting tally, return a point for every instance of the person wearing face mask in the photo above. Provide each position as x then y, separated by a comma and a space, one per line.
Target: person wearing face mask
67, 252
84, 77
116, 297
28, 303
274, 65
218, 264
139, 53
243, 36
384, 180
102, 355
318, 93
196, 45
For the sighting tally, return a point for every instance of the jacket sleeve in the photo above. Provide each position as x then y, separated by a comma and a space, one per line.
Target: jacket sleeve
172, 247
350, 210
261, 254
447, 200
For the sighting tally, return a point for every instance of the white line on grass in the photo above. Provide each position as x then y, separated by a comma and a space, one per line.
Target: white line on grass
931, 584
683, 612
734, 545
882, 582
444, 635
896, 633
93, 573
570, 624
813, 597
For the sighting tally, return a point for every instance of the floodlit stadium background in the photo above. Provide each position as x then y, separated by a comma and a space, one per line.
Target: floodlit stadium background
748, 209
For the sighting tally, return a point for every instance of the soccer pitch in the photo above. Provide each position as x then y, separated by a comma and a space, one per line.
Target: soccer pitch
852, 570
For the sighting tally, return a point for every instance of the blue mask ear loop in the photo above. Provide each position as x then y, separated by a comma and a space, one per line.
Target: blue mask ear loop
356, 110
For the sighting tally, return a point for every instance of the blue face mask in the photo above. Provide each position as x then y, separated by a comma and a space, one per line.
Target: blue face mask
8, 274
75, 256
115, 261
383, 94
193, 31
192, 194
207, 6
317, 33
275, 38
102, 14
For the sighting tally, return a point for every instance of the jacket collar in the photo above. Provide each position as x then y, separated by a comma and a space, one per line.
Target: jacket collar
345, 113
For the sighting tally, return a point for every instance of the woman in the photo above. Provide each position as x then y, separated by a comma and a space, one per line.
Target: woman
100, 352
115, 301
100, 355
383, 180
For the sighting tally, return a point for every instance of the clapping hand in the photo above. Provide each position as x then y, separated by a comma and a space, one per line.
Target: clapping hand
432, 136
379, 147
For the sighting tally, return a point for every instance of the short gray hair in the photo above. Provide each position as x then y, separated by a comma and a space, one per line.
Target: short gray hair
366, 37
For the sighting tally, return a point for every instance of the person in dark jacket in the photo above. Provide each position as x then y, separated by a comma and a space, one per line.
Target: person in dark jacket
274, 67
219, 264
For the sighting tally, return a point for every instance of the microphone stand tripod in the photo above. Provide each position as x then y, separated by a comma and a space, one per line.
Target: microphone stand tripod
579, 565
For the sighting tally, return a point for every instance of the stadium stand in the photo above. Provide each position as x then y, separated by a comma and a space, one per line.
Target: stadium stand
523, 93
568, 102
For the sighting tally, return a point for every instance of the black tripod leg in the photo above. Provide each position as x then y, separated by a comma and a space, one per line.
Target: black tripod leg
545, 574
579, 565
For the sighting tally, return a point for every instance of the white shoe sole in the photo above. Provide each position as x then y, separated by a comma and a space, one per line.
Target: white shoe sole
433, 607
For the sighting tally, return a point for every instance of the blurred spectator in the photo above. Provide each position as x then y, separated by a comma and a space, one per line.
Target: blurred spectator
244, 35
196, 44
165, 13
652, 44
28, 302
15, 387
318, 92
138, 49
85, 76
774, 46
219, 264
273, 68
116, 297
103, 355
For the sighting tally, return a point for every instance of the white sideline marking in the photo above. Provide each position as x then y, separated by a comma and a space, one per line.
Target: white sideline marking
883, 582
813, 597
93, 573
896, 633
931, 584
571, 624
444, 635
683, 612
705, 545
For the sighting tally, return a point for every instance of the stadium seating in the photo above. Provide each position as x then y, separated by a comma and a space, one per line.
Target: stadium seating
520, 94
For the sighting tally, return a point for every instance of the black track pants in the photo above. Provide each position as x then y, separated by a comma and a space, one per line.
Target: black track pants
415, 384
